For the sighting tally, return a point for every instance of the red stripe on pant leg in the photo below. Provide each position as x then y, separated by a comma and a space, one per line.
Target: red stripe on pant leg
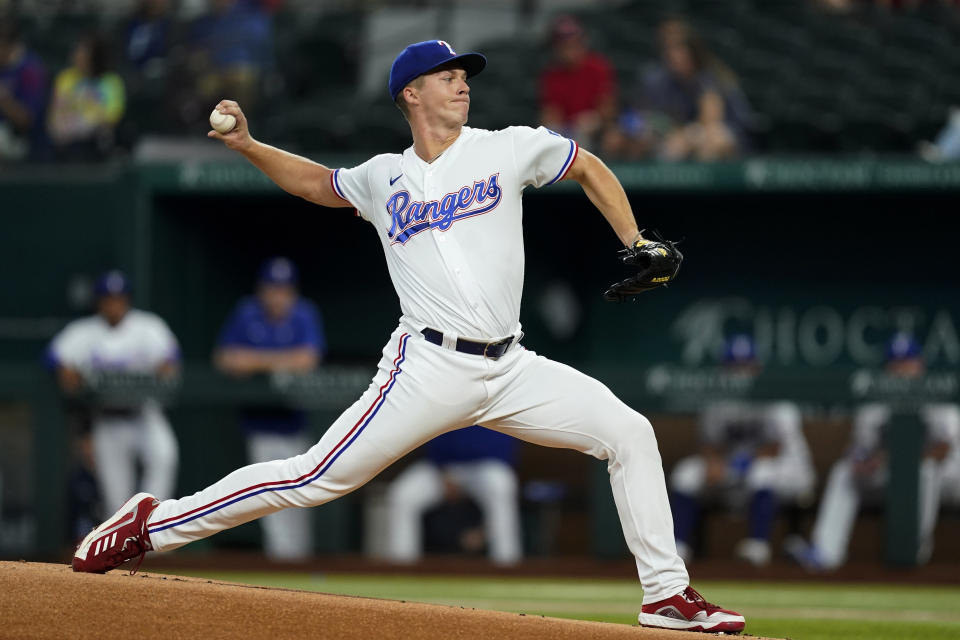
314, 470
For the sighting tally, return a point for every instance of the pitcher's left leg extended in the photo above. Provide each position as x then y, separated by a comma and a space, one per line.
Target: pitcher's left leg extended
548, 403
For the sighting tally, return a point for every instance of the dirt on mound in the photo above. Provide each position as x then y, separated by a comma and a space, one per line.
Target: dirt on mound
51, 601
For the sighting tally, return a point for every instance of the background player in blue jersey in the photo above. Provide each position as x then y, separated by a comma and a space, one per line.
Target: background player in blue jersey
275, 330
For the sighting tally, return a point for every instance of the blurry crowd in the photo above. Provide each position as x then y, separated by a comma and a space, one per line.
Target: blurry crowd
152, 61
158, 69
686, 106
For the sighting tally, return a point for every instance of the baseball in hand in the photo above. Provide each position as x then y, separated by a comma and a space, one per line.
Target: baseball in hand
222, 122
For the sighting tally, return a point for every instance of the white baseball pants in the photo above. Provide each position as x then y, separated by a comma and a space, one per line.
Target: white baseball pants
788, 476
422, 390
119, 442
287, 534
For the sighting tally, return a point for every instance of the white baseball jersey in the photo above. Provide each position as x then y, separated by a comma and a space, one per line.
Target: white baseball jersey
140, 343
447, 276
942, 422
743, 427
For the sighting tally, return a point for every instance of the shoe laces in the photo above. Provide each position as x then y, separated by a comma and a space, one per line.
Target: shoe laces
140, 544
143, 542
690, 595
136, 567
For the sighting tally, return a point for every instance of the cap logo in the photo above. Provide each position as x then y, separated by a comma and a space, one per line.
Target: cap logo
449, 48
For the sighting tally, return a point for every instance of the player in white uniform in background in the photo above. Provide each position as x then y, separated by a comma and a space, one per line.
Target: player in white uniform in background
751, 451
863, 473
118, 339
448, 215
475, 461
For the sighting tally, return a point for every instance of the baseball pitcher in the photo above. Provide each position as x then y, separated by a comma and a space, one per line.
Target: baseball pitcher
448, 214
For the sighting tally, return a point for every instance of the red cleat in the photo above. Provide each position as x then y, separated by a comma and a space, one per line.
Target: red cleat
122, 537
688, 611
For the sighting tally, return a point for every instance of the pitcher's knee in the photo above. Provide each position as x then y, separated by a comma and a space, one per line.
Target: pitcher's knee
631, 436
634, 430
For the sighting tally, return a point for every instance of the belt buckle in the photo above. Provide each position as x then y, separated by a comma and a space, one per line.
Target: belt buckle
505, 341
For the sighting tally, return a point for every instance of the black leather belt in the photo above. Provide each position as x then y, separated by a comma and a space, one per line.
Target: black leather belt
487, 349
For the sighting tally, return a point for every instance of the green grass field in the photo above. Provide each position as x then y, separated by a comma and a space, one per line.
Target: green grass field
801, 611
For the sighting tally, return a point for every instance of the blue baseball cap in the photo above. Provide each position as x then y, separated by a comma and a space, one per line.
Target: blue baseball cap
278, 271
902, 346
112, 283
421, 57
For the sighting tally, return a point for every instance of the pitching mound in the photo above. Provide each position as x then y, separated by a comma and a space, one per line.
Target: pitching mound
51, 601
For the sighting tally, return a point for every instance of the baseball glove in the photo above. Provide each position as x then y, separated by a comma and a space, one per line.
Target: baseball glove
657, 262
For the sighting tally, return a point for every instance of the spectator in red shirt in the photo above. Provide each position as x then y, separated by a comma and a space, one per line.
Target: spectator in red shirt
578, 90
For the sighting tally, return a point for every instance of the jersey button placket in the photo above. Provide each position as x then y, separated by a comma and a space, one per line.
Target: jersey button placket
451, 254
468, 286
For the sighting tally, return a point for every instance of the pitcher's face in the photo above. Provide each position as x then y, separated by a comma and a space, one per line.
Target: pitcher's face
445, 95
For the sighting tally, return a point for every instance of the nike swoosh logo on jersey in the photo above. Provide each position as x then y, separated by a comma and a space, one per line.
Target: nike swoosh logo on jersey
392, 180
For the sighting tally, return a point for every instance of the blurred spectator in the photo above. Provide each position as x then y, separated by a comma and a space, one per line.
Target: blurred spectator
751, 453
946, 147
87, 104
473, 462
148, 37
120, 340
578, 90
228, 51
23, 96
705, 140
276, 330
689, 106
862, 473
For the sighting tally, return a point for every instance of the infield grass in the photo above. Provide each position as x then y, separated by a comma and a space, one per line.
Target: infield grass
800, 611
